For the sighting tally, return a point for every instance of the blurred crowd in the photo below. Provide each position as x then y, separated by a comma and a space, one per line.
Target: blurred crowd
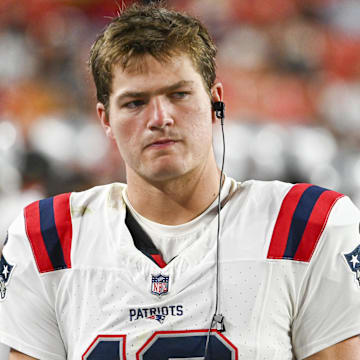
291, 71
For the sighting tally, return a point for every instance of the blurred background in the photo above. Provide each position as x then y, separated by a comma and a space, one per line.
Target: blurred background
291, 71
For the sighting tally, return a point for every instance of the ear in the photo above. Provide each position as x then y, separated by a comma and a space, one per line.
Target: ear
104, 119
217, 94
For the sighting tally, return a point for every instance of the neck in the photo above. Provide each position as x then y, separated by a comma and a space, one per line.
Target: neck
175, 201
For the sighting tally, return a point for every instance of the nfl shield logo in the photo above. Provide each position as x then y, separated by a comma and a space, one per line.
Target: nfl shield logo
159, 284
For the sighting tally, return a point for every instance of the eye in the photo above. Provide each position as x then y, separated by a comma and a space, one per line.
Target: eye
134, 104
180, 95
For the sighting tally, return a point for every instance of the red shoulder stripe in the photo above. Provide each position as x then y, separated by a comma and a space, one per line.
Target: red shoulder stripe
316, 225
62, 213
33, 230
282, 226
49, 230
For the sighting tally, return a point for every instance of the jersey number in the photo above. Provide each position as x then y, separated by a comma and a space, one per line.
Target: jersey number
165, 345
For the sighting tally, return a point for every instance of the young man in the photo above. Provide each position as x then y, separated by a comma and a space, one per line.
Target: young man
138, 271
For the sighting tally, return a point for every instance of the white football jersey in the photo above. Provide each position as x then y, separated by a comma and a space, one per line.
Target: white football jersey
80, 279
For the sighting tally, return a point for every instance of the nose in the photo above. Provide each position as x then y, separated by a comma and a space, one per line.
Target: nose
159, 114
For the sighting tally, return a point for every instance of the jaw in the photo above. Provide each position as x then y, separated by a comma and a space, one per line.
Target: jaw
172, 171
170, 199
159, 169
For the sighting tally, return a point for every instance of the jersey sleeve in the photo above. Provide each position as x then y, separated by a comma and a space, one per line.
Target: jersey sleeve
28, 320
328, 305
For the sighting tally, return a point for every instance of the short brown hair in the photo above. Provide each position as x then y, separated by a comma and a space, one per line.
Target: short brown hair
155, 30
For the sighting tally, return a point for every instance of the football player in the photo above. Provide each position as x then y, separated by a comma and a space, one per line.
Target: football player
182, 262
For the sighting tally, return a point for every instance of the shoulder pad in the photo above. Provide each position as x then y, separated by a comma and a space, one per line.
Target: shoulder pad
301, 220
49, 230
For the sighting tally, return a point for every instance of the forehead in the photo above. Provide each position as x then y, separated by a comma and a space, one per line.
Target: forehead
147, 72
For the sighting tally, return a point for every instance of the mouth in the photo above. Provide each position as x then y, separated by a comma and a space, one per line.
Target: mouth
162, 143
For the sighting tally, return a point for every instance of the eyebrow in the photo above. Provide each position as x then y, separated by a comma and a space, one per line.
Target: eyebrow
165, 89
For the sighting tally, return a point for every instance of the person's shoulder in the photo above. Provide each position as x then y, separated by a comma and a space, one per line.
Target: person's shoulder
298, 195
344, 213
78, 201
263, 195
51, 223
261, 188
303, 217
109, 195
298, 215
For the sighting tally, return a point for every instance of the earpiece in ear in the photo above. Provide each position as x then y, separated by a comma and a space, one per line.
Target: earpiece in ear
219, 108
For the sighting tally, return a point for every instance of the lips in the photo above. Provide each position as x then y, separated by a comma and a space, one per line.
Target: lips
162, 143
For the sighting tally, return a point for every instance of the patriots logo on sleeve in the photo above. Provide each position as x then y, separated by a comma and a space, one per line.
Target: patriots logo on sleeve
6, 270
353, 260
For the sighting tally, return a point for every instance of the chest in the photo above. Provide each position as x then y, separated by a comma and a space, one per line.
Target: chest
119, 304
103, 311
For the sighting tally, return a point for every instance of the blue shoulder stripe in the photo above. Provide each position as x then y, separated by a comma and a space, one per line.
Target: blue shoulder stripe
300, 219
50, 234
49, 230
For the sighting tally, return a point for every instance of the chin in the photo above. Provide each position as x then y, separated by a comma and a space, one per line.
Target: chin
165, 174
164, 170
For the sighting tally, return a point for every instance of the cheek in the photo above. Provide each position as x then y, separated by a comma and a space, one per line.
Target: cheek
122, 131
201, 128
123, 138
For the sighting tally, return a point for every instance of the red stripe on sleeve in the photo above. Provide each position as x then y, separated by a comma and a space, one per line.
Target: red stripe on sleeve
62, 214
33, 231
282, 226
316, 225
159, 260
